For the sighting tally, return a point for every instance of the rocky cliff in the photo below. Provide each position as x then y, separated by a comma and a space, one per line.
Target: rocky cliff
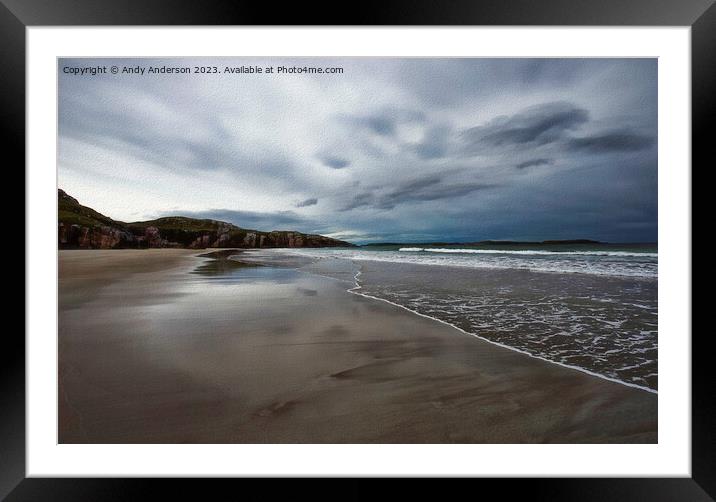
82, 227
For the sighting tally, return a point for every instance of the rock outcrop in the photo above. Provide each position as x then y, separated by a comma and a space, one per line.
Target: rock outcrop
83, 227
99, 237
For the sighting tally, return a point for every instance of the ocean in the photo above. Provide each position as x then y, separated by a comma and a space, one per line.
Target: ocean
591, 307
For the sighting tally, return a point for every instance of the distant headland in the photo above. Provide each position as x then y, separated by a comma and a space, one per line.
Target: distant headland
81, 227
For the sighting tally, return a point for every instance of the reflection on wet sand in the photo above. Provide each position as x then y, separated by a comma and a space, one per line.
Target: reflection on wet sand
222, 267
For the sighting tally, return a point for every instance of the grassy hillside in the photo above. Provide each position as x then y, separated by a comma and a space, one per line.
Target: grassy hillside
71, 212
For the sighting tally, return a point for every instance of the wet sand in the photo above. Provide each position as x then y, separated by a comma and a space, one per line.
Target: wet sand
152, 352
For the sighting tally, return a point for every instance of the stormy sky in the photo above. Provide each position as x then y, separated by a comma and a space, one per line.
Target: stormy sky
390, 149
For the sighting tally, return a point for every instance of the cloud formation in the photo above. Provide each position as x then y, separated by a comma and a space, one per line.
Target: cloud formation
532, 163
307, 202
529, 128
612, 141
335, 162
394, 149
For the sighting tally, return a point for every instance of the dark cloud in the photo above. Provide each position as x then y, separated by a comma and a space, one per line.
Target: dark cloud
430, 193
622, 140
359, 200
532, 163
335, 162
250, 219
534, 126
420, 190
307, 202
384, 126
416, 185
386, 121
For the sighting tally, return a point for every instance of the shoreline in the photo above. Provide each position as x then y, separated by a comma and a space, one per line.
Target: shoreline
356, 291
357, 287
273, 355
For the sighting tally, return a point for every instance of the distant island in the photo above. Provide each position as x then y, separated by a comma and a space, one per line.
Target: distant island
81, 227
488, 243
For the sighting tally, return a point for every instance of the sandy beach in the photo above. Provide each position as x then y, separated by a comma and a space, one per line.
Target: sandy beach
165, 346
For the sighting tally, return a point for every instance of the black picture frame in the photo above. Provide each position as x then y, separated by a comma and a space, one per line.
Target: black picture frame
17, 15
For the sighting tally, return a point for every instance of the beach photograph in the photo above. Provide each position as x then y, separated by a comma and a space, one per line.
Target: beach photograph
348, 250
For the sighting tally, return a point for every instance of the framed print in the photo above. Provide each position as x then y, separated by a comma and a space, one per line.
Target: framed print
448, 242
